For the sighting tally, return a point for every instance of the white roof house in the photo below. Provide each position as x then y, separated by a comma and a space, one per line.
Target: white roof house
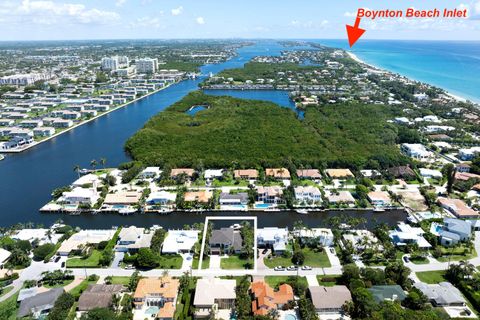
323, 235
430, 173
80, 195
161, 197
275, 237
405, 234
36, 234
86, 179
213, 173
133, 238
416, 151
210, 291
85, 237
150, 173
4, 255
179, 241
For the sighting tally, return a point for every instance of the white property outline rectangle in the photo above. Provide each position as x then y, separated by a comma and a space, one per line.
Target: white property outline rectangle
232, 218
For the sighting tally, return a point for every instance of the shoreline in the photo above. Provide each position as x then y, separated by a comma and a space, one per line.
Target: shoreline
37, 143
456, 97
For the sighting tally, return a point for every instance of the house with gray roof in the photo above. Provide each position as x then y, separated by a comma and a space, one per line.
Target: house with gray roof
225, 240
329, 300
27, 293
132, 238
39, 304
387, 292
443, 294
452, 231
99, 296
229, 199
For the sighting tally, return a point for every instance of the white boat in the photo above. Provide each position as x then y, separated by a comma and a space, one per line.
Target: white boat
273, 209
2, 157
127, 211
378, 209
302, 211
236, 226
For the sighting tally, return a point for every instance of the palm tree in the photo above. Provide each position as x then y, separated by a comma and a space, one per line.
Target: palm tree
76, 168
93, 164
103, 162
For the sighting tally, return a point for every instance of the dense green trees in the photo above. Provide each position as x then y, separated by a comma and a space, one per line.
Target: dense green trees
146, 259
157, 240
40, 252
62, 307
251, 133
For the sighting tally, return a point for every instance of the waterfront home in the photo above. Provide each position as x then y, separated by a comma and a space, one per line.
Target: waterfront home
277, 173
308, 194
462, 167
99, 296
361, 240
266, 300
246, 174
179, 241
405, 234
157, 292
4, 255
468, 154
225, 240
80, 196
61, 123
387, 293
132, 238
452, 231
379, 198
442, 294
122, 198
214, 291
39, 305
310, 174
150, 173
233, 199
83, 238
89, 179
202, 196
329, 300
314, 236
178, 172
271, 195
39, 235
457, 207
416, 151
161, 198
44, 132
340, 197
273, 238
339, 173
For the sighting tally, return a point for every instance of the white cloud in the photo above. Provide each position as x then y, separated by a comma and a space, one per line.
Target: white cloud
177, 11
49, 12
200, 20
120, 3
146, 22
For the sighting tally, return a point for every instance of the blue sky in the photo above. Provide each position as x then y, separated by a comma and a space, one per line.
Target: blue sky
122, 19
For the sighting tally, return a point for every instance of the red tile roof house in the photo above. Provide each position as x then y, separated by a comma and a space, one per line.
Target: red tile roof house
265, 299
458, 208
278, 173
246, 174
311, 174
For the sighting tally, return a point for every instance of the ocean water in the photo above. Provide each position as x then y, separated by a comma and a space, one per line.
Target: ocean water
451, 65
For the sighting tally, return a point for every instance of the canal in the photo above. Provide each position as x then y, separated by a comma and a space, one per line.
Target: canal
26, 179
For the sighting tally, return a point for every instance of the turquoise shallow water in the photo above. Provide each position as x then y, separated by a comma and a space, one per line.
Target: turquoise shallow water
451, 65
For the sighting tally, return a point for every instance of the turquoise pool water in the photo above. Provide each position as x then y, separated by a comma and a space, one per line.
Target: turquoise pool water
262, 206
151, 310
290, 317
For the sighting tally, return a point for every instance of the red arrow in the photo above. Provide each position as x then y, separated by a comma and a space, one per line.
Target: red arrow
354, 33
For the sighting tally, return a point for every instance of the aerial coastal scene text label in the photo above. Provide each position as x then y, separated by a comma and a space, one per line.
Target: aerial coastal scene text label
412, 13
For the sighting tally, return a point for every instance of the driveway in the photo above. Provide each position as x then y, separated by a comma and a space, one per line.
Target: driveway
332, 256
187, 261
117, 259
215, 261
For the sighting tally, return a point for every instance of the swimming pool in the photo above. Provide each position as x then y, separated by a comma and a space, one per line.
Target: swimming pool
290, 317
262, 206
151, 311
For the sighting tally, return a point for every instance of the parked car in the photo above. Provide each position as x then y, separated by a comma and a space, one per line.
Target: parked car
279, 268
406, 259
63, 264
306, 268
332, 250
265, 251
57, 259
292, 268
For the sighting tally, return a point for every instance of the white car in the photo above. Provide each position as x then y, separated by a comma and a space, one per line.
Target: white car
279, 268
306, 268
292, 268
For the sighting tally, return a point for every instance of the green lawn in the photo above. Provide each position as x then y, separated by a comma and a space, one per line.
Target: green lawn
316, 259
431, 276
8, 308
456, 254
91, 261
59, 285
313, 259
170, 262
6, 290
275, 281
419, 260
235, 262
328, 281
205, 263
120, 280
